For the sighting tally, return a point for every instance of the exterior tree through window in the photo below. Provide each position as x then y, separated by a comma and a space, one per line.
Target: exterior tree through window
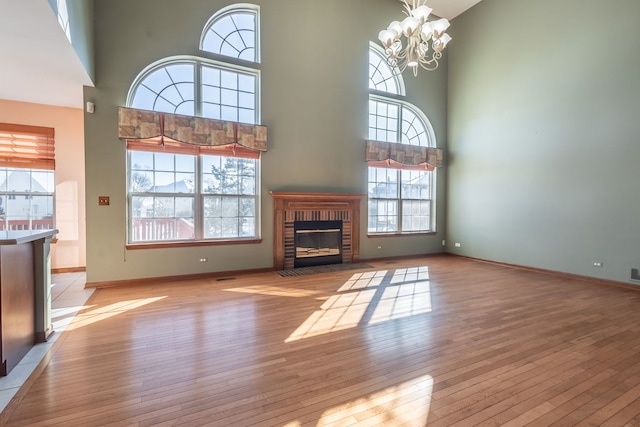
178, 192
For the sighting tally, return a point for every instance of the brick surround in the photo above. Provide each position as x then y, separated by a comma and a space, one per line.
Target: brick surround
290, 207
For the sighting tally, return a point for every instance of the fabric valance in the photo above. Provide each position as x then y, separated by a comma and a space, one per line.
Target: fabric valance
134, 124
402, 156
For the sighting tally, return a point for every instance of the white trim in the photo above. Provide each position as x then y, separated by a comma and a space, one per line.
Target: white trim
228, 10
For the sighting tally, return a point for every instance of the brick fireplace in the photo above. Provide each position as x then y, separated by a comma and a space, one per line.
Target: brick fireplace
290, 207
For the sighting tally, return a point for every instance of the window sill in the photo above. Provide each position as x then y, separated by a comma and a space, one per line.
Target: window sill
157, 245
417, 233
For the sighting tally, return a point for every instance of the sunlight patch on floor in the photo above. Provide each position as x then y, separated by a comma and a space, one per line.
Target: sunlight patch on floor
339, 312
406, 404
369, 279
371, 297
274, 291
403, 301
92, 316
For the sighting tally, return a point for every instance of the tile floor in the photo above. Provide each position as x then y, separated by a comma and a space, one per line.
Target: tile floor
68, 296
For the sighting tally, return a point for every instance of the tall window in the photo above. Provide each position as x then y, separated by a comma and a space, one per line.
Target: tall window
179, 192
27, 177
400, 196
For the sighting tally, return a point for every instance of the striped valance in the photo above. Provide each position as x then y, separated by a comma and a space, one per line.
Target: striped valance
134, 124
402, 156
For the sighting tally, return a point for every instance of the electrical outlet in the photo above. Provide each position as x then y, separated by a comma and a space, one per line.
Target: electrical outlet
203, 259
444, 242
379, 246
457, 244
103, 200
597, 264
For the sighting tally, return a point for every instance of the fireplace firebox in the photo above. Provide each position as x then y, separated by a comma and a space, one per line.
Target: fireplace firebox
317, 243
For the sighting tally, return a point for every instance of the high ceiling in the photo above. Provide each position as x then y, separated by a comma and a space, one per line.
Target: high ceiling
450, 8
39, 64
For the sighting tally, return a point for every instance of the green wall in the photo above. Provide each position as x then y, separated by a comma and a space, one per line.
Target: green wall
81, 30
543, 119
314, 102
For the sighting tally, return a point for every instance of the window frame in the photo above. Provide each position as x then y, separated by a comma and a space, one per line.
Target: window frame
221, 14
221, 62
398, 100
21, 196
198, 196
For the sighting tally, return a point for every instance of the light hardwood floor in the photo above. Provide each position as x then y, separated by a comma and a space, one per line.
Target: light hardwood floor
438, 341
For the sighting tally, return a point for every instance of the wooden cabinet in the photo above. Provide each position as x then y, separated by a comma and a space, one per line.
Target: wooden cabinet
24, 294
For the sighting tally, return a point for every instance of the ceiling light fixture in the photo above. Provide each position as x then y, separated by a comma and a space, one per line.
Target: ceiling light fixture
418, 32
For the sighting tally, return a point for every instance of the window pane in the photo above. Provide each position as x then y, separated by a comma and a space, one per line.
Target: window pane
211, 111
185, 183
414, 131
416, 215
416, 184
211, 76
229, 113
382, 216
26, 199
246, 116
43, 181
169, 88
162, 218
383, 119
164, 162
381, 75
229, 79
3, 179
229, 97
163, 207
185, 163
141, 207
247, 83
140, 182
164, 182
141, 160
233, 34
184, 207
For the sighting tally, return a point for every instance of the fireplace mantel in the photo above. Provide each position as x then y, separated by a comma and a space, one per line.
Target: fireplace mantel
296, 206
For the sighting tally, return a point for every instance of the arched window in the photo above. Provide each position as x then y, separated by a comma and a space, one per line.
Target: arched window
400, 196
168, 87
381, 76
183, 192
233, 32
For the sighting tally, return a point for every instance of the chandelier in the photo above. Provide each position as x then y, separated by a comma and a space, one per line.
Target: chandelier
418, 32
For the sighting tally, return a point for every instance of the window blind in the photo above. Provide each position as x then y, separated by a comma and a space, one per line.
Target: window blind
23, 146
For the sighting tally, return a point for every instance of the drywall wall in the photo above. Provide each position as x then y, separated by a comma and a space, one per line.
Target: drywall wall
544, 100
76, 17
314, 79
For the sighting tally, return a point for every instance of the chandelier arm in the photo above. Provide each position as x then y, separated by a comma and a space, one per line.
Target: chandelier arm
434, 60
418, 32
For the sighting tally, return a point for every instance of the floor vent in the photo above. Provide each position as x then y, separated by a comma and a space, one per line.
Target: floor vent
222, 279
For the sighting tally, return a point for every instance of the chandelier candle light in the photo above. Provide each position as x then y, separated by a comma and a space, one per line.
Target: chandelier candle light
418, 32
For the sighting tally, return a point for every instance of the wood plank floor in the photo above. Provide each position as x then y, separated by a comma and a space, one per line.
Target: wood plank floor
438, 341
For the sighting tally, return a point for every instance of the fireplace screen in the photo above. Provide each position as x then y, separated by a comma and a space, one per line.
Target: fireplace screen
318, 243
